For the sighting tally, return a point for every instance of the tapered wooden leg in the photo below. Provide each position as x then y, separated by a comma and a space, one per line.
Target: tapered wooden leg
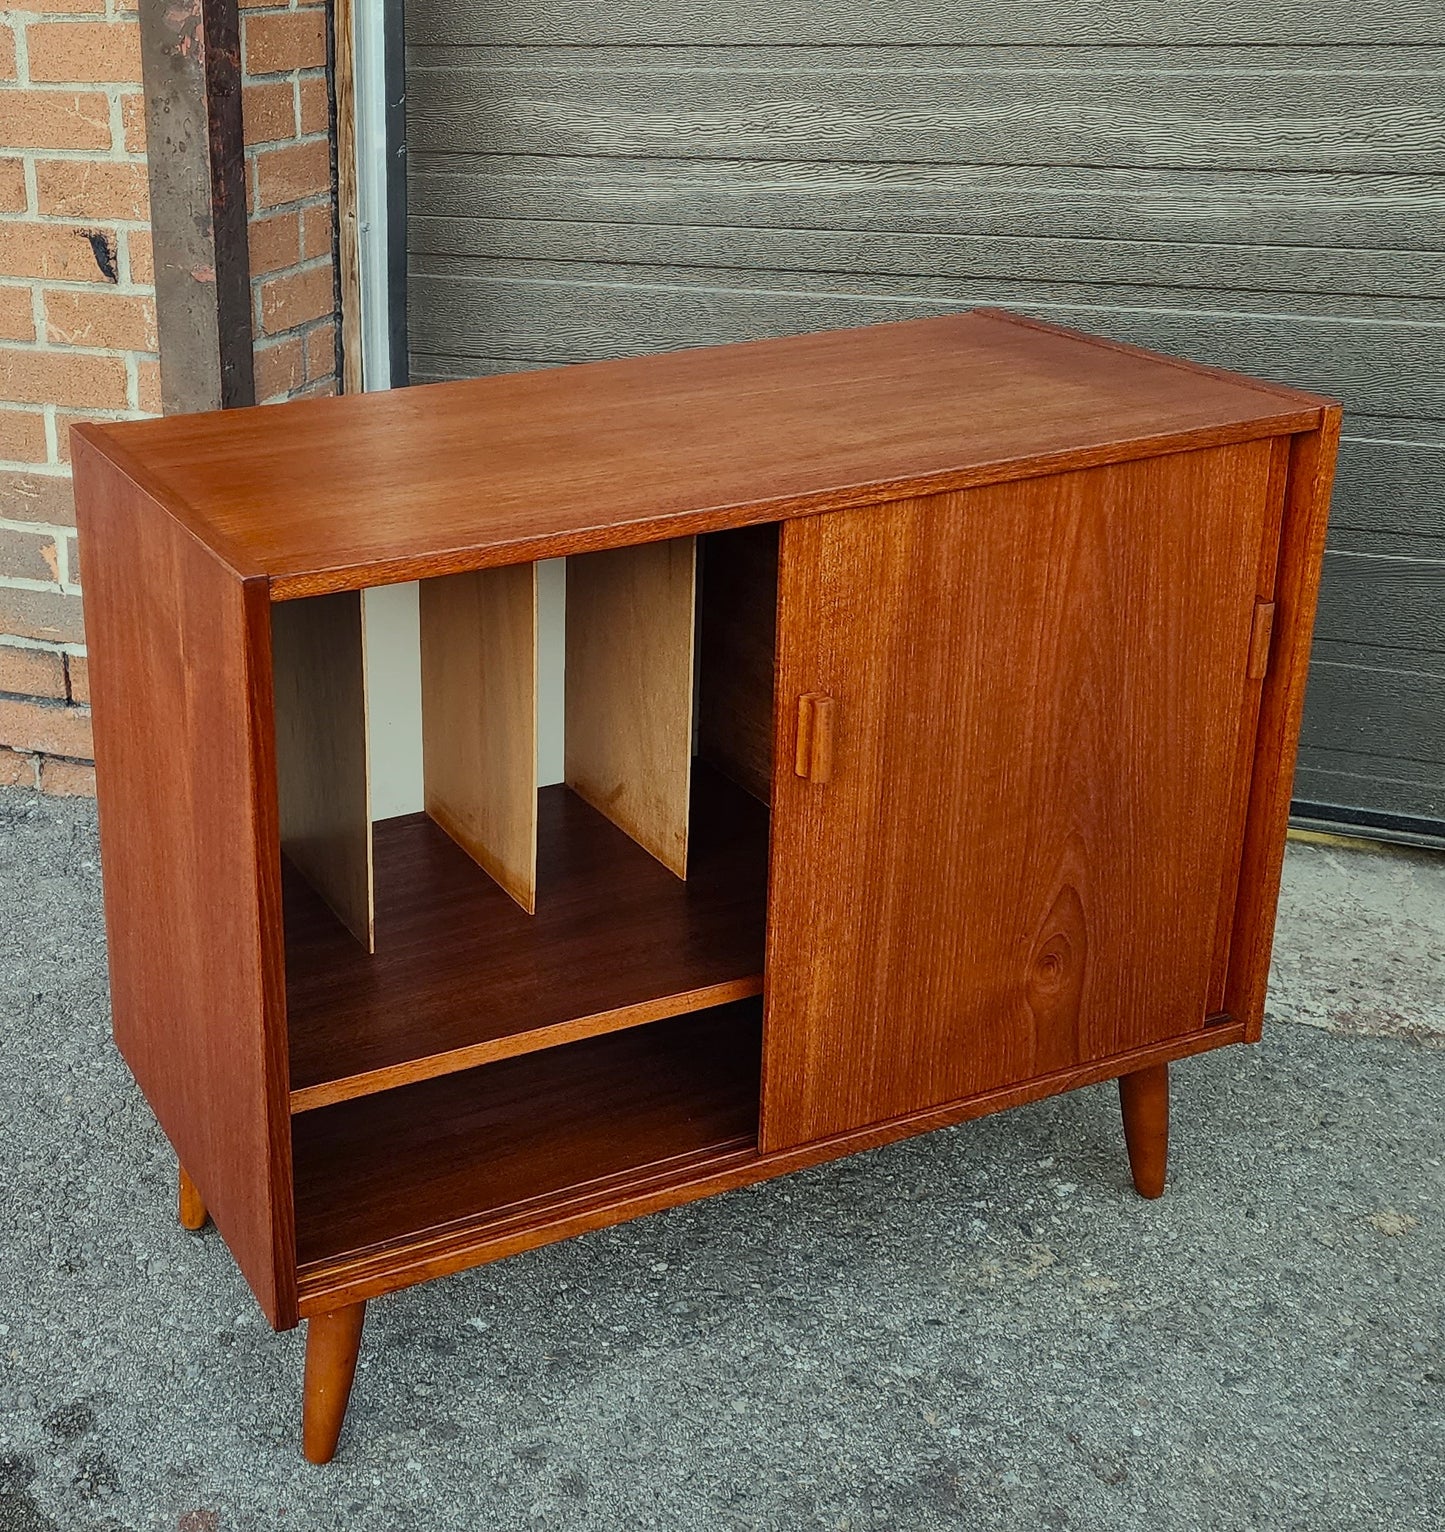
1144, 1099
333, 1342
192, 1209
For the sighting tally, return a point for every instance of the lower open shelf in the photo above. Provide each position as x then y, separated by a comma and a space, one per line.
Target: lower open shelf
521, 1140
461, 976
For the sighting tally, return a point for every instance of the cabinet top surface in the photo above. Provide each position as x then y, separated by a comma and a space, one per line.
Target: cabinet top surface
333, 494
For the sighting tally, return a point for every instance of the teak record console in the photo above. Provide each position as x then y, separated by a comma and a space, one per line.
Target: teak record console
932, 693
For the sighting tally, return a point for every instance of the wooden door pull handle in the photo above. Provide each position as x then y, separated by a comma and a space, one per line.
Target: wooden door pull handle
814, 759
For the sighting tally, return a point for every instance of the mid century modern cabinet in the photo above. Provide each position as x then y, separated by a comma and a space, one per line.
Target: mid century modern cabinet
931, 702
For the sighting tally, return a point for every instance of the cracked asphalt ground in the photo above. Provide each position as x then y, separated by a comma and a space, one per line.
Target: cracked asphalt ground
983, 1328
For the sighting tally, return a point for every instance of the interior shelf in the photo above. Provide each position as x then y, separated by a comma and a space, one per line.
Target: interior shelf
527, 1137
463, 976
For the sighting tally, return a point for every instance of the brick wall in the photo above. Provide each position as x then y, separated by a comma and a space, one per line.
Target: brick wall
77, 342
77, 306
289, 198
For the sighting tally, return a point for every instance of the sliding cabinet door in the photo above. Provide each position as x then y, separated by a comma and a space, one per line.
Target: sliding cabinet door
1012, 742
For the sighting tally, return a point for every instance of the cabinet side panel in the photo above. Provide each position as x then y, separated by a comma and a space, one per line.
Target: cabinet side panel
322, 777
185, 773
1301, 553
479, 719
630, 620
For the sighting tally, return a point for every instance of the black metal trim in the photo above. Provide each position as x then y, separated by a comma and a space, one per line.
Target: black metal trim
1404, 829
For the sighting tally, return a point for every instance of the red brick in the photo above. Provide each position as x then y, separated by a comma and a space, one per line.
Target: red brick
92, 189
317, 231
293, 174
315, 104
50, 728
16, 770
32, 672
12, 186
274, 242
7, 52
133, 123
60, 252
64, 419
17, 313
280, 369
321, 352
296, 299
84, 52
67, 779
29, 556
44, 497
22, 436
56, 119
268, 111
77, 669
293, 40
141, 255
63, 377
148, 387
69, 7
46, 616
107, 320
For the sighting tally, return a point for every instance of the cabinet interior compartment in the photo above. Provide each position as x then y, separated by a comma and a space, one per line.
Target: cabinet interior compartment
322, 786
511, 919
528, 1139
737, 640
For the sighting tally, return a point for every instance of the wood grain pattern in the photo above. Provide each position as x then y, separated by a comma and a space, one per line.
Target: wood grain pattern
1379, 353
333, 1343
479, 719
1144, 1104
1373, 109
1051, 745
1037, 212
1306, 515
348, 234
631, 615
461, 976
323, 757
192, 860
339, 493
541, 23
737, 638
490, 1143
587, 233
464, 1242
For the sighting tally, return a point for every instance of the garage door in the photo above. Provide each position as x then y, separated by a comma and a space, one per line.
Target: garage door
594, 180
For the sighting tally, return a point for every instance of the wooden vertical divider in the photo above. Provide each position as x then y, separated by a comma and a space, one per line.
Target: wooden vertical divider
479, 719
322, 769
630, 615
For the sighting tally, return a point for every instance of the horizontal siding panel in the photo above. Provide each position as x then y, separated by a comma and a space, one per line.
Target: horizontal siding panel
1247, 108
586, 22
1381, 787
1368, 711
1390, 602
1179, 266
1390, 489
1383, 212
559, 312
